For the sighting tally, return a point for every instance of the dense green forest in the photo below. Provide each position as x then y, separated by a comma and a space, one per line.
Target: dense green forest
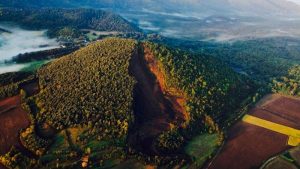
8, 78
289, 84
89, 90
212, 87
64, 21
76, 88
84, 108
43, 55
9, 83
260, 59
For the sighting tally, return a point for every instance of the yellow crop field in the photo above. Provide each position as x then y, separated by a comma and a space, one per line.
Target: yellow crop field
293, 134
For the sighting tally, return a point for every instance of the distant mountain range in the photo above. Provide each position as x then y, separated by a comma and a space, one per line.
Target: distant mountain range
241, 7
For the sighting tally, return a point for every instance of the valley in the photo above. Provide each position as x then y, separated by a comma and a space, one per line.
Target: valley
149, 84
11, 44
50, 40
156, 130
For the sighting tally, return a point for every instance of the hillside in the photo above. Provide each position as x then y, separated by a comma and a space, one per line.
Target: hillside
59, 20
118, 100
290, 84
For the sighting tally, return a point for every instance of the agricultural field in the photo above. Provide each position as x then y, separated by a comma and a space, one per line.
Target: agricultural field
94, 35
12, 119
250, 143
287, 160
201, 148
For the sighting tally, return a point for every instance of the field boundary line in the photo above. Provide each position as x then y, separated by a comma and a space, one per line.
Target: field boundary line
8, 109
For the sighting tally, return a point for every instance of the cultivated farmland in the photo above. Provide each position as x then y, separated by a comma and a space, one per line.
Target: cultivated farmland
13, 119
249, 145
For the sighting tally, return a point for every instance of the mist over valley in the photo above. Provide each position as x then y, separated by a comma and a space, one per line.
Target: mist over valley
19, 41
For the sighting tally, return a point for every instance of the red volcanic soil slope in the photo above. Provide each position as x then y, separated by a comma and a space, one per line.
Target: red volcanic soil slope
12, 119
155, 108
248, 146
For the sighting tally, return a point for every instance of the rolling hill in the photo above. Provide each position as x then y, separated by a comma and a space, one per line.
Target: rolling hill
120, 100
57, 20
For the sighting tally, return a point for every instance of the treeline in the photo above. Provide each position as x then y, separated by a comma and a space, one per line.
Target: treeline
60, 21
212, 87
10, 83
260, 59
43, 55
8, 78
290, 84
67, 33
15, 159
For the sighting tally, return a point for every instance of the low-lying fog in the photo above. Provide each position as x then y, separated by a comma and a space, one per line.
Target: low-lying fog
20, 41
213, 27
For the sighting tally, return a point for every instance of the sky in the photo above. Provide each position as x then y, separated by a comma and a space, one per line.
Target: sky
296, 1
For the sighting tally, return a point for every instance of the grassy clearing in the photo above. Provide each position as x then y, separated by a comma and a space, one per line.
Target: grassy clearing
92, 36
201, 148
33, 66
71, 144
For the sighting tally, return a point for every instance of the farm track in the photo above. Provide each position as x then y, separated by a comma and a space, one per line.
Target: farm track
7, 109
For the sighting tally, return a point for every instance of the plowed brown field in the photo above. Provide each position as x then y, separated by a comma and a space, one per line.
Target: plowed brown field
248, 146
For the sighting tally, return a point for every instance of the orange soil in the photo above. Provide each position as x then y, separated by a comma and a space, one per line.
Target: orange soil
175, 96
248, 146
156, 110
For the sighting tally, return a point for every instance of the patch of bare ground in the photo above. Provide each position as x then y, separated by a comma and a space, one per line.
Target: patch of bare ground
12, 119
267, 99
248, 146
156, 108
